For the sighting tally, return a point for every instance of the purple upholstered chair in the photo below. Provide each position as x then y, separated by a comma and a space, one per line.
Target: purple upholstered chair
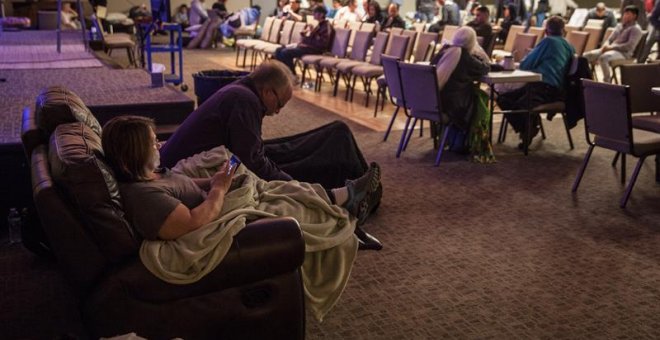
393, 82
397, 49
607, 116
420, 89
343, 67
338, 50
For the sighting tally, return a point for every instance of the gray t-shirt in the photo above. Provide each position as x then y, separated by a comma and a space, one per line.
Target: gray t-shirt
148, 204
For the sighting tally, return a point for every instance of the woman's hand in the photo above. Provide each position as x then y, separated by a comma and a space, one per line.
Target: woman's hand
222, 179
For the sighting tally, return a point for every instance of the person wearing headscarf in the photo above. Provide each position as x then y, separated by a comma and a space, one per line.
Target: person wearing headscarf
458, 66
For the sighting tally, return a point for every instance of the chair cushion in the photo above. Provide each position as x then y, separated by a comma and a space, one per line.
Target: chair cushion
648, 123
311, 58
330, 62
646, 143
553, 107
56, 105
368, 71
381, 81
347, 65
75, 158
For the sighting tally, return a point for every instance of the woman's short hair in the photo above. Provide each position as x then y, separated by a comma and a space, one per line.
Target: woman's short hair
465, 37
127, 145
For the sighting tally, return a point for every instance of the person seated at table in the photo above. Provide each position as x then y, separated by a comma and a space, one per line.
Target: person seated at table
481, 25
314, 41
510, 19
620, 45
551, 58
393, 19
458, 66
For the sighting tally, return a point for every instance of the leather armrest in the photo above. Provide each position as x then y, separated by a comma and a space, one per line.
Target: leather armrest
31, 135
265, 248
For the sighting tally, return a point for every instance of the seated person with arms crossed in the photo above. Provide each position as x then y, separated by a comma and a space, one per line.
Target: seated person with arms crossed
620, 45
551, 58
233, 117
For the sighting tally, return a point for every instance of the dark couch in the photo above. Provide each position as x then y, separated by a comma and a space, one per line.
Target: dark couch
255, 293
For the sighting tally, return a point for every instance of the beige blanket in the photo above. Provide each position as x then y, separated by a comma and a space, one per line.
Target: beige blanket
330, 245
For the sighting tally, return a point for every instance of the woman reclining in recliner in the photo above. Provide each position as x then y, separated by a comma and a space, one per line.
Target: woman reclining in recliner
188, 230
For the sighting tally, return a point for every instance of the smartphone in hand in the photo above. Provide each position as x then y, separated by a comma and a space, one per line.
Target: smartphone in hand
234, 162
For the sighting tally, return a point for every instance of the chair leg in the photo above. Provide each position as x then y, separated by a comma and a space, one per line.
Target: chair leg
389, 127
615, 159
442, 146
542, 129
410, 132
580, 173
568, 131
421, 128
334, 92
623, 168
376, 105
631, 184
501, 136
403, 138
302, 81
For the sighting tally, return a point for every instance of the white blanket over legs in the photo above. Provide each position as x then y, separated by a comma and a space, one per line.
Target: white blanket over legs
330, 244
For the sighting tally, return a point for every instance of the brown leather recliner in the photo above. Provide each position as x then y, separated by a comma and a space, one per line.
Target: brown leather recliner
255, 293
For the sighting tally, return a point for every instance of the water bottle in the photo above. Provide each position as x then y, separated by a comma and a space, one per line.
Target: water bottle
14, 222
93, 33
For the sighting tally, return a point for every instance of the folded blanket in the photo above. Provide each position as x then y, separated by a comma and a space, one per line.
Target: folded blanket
330, 244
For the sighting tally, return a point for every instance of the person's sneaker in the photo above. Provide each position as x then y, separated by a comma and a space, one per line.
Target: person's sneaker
360, 191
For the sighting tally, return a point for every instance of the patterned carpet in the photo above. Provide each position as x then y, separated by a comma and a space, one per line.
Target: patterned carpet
471, 251
497, 251
37, 50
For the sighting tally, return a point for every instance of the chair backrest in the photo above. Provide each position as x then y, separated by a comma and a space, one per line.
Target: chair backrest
265, 31
361, 45
311, 21
596, 23
354, 26
339, 23
420, 88
539, 31
413, 40
275, 31
396, 30
379, 48
298, 27
489, 44
578, 40
368, 27
448, 33
285, 35
340, 42
641, 78
607, 34
639, 49
393, 79
523, 43
419, 27
399, 46
424, 42
595, 34
607, 114
569, 29
511, 36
